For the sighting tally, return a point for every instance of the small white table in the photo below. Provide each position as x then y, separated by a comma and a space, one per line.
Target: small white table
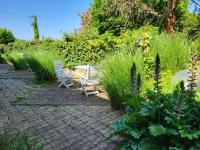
83, 67
85, 81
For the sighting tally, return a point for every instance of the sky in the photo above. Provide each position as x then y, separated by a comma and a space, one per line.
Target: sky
54, 16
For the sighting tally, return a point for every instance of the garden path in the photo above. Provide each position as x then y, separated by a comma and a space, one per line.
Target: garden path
57, 118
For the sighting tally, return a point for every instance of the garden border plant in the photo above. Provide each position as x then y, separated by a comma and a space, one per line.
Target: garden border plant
162, 120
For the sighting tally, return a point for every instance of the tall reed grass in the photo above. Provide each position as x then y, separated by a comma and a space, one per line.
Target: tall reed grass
40, 62
116, 79
173, 50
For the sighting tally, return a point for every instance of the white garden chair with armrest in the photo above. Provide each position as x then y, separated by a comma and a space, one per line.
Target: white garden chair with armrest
91, 79
62, 78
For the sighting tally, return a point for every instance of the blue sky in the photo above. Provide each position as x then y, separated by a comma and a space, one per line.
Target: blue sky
54, 16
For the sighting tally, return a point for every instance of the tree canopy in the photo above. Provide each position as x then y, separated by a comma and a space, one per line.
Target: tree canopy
119, 15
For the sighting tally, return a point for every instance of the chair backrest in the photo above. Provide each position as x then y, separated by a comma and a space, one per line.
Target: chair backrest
58, 68
94, 72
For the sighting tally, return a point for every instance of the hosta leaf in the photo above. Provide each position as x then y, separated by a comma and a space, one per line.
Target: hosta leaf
190, 135
121, 123
157, 130
136, 133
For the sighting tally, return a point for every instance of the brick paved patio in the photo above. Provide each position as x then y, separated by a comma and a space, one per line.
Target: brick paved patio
74, 123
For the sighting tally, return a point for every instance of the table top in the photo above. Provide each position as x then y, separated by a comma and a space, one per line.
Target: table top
82, 67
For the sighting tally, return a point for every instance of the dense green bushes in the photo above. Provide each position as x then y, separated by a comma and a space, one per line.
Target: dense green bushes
85, 48
6, 36
160, 121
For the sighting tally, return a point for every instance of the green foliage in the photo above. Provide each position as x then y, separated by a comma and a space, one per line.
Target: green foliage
191, 25
87, 48
6, 36
20, 141
18, 45
35, 29
160, 121
116, 66
181, 13
117, 16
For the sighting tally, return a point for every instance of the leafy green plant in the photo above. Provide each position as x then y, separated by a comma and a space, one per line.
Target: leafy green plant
18, 45
161, 121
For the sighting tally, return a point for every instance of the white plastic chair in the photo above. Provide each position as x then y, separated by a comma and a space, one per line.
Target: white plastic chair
62, 78
92, 79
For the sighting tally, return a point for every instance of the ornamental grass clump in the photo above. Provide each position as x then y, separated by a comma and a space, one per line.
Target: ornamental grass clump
172, 49
116, 76
40, 62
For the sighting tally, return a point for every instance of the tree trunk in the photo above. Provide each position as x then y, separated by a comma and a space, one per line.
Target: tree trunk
171, 16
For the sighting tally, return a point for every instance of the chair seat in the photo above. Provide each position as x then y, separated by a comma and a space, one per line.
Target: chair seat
67, 77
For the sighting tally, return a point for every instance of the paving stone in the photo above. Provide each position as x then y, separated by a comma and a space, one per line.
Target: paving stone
82, 126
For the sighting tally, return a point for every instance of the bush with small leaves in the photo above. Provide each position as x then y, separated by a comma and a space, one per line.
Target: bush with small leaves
6, 36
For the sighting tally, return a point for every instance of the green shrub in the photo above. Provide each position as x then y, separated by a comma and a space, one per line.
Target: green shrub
6, 36
1, 52
18, 45
85, 50
160, 121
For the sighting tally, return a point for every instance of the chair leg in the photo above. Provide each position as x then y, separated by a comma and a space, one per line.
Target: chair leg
60, 84
95, 89
83, 90
64, 84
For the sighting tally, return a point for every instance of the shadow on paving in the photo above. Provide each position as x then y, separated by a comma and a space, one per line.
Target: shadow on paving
52, 95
